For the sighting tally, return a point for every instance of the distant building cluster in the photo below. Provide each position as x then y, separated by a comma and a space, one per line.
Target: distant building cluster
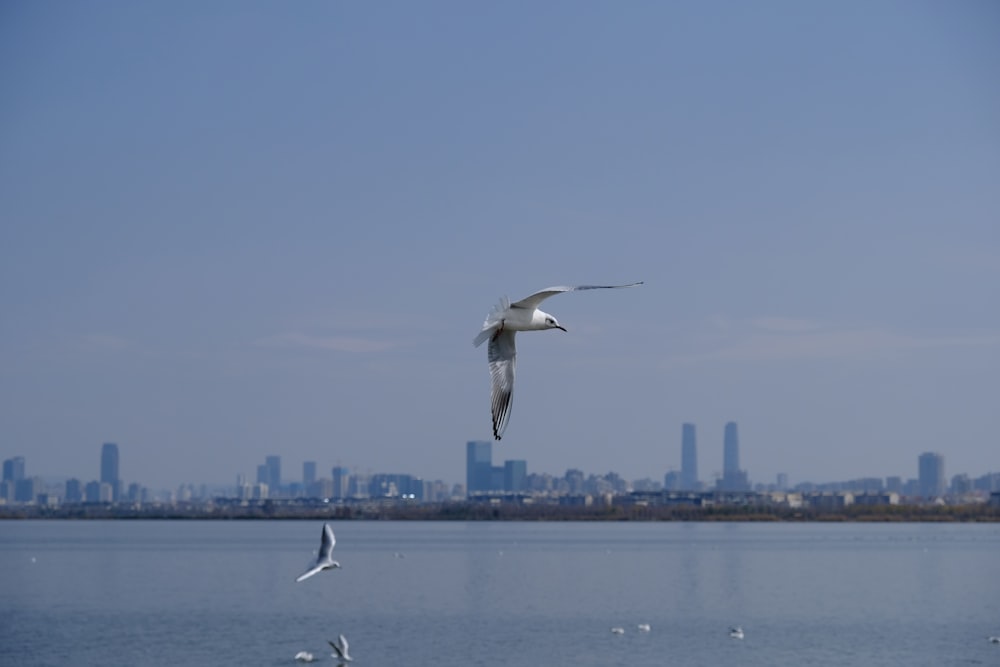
17, 487
511, 481
341, 485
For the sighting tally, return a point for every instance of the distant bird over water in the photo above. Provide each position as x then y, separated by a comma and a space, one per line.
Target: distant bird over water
618, 631
505, 320
736, 633
324, 561
643, 627
304, 656
340, 649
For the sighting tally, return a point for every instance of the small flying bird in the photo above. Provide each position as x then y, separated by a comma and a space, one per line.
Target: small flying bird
643, 627
324, 561
340, 649
505, 320
618, 631
736, 633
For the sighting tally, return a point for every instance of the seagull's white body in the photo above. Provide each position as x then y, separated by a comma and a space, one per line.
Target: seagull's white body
324, 561
736, 633
340, 649
305, 656
618, 631
644, 627
505, 320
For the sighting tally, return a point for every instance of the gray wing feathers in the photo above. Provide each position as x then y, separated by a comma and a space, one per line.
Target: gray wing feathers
502, 356
536, 298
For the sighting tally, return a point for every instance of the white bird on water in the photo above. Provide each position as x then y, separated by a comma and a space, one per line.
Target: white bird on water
304, 656
736, 633
618, 631
505, 320
340, 649
644, 627
324, 561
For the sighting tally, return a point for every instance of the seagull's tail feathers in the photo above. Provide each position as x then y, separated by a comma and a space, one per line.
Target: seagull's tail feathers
492, 322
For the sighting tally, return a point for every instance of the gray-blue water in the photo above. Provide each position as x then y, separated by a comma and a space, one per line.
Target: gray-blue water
222, 593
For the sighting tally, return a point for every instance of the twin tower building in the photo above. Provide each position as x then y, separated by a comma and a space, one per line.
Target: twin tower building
733, 478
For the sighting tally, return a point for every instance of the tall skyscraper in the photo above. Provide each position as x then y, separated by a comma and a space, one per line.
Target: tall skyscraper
273, 464
13, 469
478, 466
109, 468
730, 450
308, 473
733, 479
689, 459
931, 475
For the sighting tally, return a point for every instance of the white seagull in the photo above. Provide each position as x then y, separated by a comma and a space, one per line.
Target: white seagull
644, 627
304, 656
618, 631
324, 560
736, 633
340, 649
501, 324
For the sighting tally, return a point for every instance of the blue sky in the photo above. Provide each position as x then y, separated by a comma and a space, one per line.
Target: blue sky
235, 229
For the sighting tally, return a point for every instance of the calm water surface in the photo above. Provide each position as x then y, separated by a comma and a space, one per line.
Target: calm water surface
222, 593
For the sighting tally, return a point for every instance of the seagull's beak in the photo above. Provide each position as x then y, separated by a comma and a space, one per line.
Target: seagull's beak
561, 327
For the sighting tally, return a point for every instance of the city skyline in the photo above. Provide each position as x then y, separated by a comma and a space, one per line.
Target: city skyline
482, 475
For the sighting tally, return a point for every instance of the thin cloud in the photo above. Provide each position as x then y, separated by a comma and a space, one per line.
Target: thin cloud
790, 339
349, 344
107, 341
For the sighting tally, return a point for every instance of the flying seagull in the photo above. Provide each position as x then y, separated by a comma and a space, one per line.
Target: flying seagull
505, 320
324, 560
736, 633
340, 648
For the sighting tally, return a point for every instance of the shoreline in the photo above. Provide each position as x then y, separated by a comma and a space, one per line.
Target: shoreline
385, 511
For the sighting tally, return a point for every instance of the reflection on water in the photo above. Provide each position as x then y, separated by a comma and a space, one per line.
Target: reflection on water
168, 593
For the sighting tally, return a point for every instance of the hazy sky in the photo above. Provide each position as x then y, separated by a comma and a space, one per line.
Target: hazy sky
233, 229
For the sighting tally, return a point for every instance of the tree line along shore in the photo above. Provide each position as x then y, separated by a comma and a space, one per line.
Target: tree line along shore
458, 511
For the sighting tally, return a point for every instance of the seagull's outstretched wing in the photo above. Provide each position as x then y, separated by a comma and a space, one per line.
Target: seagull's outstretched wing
308, 573
327, 544
502, 355
340, 648
536, 298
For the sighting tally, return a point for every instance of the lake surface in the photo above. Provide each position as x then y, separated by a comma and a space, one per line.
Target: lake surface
487, 593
